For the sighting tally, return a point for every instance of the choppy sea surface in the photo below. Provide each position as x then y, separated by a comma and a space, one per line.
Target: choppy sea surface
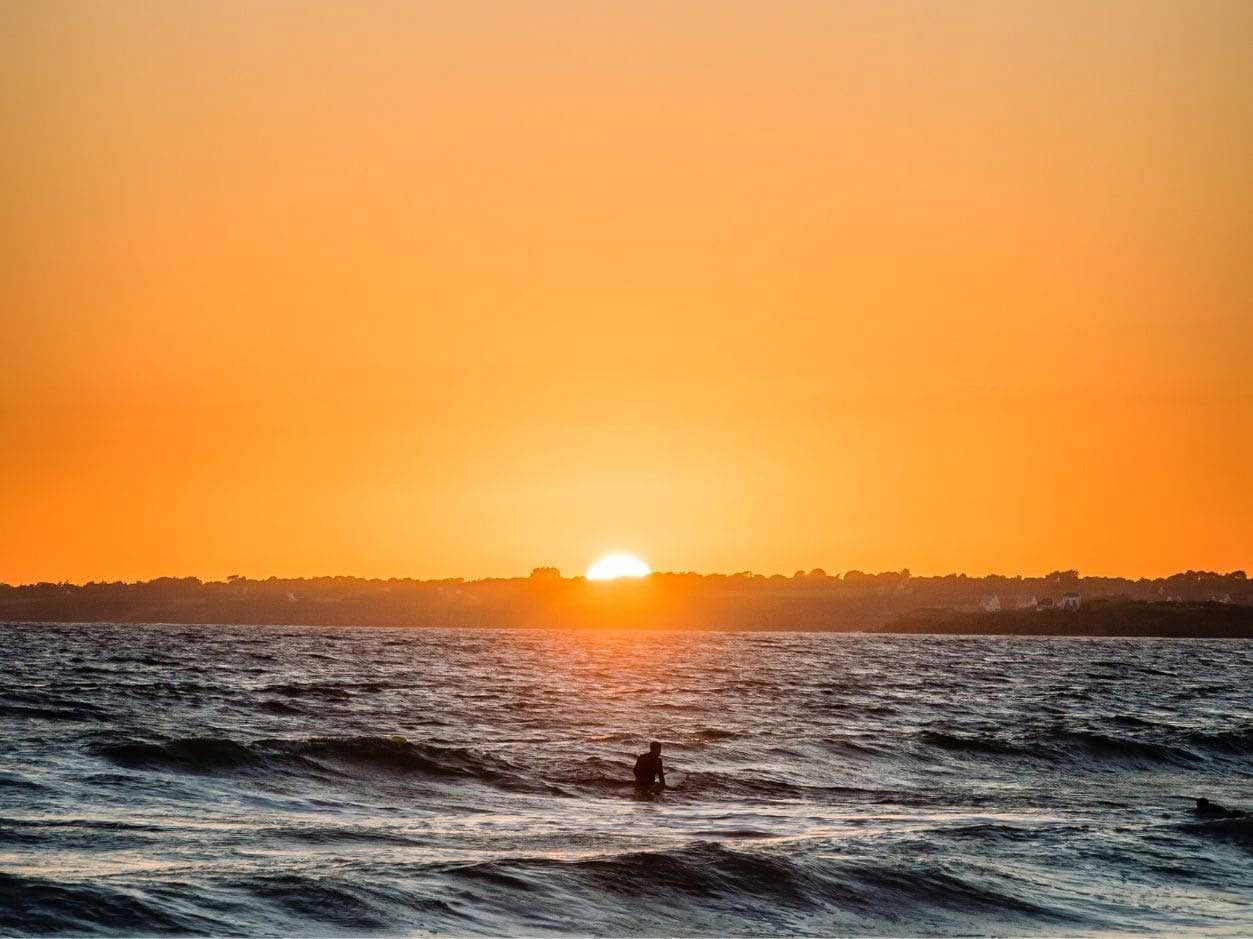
308, 781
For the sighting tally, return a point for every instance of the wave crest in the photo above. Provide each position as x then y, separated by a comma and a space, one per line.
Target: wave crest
340, 756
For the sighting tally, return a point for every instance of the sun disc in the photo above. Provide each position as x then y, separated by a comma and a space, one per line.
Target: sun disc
613, 566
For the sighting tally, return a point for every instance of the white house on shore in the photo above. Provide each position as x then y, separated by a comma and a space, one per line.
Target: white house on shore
1069, 601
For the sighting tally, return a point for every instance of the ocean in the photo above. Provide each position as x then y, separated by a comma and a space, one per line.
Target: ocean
231, 780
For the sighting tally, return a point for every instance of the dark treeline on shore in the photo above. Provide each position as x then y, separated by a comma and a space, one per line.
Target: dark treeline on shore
1191, 603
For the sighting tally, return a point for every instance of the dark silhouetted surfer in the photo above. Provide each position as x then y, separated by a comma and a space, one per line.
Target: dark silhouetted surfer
648, 769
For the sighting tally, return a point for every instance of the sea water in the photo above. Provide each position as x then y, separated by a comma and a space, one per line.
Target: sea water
292, 781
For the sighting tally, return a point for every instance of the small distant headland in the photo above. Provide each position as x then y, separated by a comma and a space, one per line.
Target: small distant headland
1193, 603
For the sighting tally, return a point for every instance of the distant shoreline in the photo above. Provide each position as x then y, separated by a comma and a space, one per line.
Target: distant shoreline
1101, 619
1196, 603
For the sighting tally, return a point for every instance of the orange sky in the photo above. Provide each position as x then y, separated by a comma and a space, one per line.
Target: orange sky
457, 289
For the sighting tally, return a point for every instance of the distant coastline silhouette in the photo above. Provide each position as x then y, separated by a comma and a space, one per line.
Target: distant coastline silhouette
1194, 603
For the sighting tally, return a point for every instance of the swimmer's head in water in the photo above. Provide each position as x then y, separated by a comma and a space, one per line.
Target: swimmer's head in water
654, 747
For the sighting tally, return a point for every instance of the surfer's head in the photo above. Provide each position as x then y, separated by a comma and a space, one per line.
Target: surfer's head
654, 747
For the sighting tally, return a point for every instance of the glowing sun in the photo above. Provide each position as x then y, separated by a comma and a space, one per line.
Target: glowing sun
613, 566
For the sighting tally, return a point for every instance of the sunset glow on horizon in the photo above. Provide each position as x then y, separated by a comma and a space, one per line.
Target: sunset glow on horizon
454, 290
617, 565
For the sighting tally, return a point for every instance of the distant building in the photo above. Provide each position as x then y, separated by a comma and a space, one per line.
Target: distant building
1045, 604
1069, 601
992, 604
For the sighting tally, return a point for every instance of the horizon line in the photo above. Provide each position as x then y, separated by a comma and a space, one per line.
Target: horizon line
540, 573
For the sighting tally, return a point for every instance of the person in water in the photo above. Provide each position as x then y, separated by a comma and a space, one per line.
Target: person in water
648, 768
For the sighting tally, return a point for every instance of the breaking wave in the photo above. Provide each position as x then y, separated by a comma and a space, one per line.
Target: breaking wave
317, 755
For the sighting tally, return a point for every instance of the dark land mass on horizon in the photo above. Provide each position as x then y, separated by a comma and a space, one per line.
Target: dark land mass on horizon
1101, 617
1194, 603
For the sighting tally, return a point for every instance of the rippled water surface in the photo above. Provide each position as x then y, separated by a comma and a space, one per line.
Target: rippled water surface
174, 779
